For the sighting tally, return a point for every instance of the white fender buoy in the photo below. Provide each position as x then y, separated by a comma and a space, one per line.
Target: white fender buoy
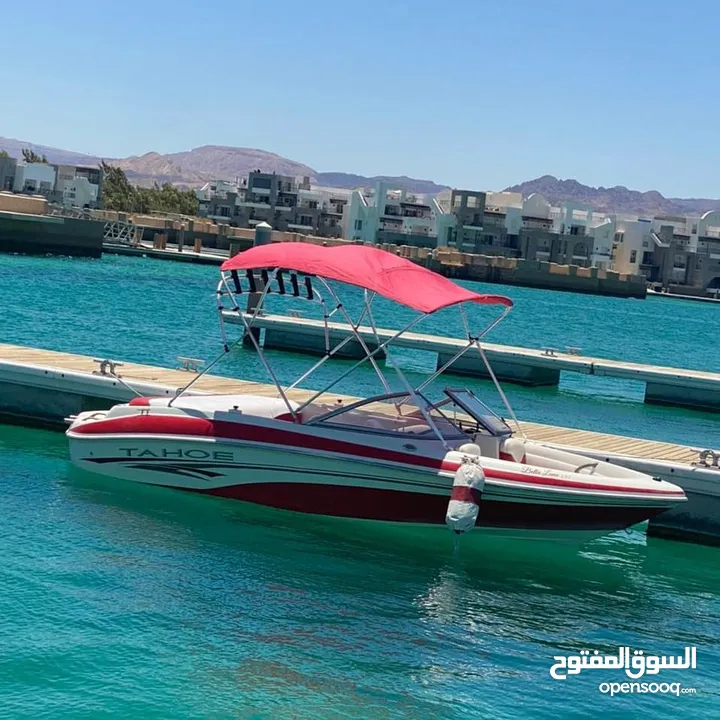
464, 505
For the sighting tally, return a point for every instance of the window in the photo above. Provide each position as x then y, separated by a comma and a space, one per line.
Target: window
306, 220
261, 183
472, 202
358, 224
633, 256
312, 204
487, 239
619, 237
225, 211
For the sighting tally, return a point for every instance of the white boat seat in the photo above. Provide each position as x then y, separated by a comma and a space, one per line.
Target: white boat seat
488, 444
512, 449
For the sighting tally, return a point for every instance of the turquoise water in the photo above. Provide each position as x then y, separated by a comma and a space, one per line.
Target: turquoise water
152, 311
129, 602
125, 602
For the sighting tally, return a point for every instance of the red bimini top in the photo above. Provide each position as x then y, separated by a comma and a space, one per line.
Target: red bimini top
393, 277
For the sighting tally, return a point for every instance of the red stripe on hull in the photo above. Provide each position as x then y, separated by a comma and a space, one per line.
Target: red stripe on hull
202, 427
399, 506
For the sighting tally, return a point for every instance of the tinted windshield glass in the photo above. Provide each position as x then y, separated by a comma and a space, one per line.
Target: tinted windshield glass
467, 401
396, 415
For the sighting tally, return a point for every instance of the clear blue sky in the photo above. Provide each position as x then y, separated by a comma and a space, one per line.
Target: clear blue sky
465, 92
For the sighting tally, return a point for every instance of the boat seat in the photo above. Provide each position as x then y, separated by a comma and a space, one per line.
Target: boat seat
487, 443
513, 449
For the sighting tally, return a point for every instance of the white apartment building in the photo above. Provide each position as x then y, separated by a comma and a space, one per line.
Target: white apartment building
384, 214
34, 178
285, 202
68, 185
77, 186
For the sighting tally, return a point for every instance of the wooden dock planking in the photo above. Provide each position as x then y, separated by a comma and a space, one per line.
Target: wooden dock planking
129, 371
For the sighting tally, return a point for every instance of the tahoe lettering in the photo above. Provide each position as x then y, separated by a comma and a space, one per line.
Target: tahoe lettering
192, 454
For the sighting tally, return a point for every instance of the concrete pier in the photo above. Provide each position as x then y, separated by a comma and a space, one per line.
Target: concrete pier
526, 366
32, 234
515, 372
314, 343
702, 396
42, 388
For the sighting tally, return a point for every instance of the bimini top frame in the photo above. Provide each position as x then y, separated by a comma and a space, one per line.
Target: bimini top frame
391, 278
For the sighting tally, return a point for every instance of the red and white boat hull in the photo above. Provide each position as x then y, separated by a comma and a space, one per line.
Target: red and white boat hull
293, 467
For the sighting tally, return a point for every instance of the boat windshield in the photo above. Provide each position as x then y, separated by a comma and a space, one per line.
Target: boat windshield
489, 421
454, 417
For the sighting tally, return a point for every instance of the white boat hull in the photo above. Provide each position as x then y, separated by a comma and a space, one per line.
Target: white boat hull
518, 501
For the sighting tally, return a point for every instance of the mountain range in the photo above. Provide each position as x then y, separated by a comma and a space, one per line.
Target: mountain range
195, 167
213, 162
616, 199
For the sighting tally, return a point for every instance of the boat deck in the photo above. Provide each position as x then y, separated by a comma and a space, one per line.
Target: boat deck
55, 363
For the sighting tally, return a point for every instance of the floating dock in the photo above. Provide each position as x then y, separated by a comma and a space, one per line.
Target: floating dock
187, 255
526, 366
42, 388
678, 296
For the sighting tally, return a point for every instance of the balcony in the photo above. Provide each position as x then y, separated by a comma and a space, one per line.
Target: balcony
400, 230
419, 214
414, 202
537, 225
258, 205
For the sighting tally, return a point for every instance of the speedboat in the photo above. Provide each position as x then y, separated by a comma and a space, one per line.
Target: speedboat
413, 457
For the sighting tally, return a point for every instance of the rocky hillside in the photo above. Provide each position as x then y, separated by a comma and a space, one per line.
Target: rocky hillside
613, 199
14, 148
210, 162
349, 181
207, 163
213, 162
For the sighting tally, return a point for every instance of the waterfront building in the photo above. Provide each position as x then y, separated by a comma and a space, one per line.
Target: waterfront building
77, 186
34, 178
8, 169
386, 215
285, 202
